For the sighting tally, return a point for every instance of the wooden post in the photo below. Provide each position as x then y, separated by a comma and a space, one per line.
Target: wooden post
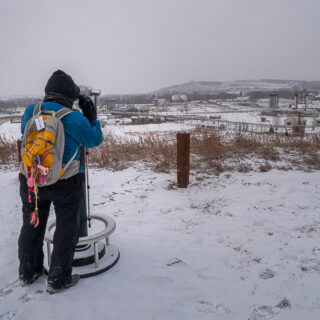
19, 143
183, 159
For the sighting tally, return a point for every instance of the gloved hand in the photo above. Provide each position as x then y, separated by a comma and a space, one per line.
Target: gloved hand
88, 108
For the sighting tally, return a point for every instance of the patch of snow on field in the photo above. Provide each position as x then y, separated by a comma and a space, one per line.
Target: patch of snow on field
237, 246
10, 132
248, 117
132, 131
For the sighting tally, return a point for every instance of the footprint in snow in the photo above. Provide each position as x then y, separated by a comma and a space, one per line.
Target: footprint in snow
9, 288
31, 296
174, 262
315, 250
209, 307
267, 274
262, 313
310, 264
284, 304
7, 315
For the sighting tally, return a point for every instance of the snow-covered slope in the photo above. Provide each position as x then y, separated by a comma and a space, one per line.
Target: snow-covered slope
237, 246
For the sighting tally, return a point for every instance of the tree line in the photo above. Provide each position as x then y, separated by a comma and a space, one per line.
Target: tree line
11, 105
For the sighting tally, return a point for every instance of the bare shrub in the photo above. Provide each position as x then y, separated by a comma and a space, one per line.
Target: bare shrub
208, 145
242, 167
312, 160
265, 167
243, 144
269, 152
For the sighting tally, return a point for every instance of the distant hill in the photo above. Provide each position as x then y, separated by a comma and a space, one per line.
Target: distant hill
197, 90
237, 86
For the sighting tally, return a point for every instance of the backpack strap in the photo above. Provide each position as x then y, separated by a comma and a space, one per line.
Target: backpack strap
62, 112
37, 108
64, 169
69, 162
59, 114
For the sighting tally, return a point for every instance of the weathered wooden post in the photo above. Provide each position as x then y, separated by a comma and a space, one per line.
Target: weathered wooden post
183, 159
19, 143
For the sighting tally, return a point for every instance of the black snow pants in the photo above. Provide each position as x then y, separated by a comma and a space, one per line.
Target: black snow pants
67, 198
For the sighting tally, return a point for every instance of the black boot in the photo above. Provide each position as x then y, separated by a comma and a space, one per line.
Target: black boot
56, 281
74, 280
29, 273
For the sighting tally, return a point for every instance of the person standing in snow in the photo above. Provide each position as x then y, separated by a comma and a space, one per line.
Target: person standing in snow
81, 129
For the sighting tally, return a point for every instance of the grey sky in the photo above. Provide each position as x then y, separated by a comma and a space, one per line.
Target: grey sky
133, 46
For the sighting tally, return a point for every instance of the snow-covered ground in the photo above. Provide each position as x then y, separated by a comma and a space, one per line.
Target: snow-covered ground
248, 117
235, 246
133, 131
10, 132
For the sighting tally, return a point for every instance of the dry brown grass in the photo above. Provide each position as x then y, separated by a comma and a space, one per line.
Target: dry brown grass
8, 153
208, 145
211, 151
156, 152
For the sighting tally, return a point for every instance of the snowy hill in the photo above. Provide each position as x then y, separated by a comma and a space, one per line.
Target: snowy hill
237, 86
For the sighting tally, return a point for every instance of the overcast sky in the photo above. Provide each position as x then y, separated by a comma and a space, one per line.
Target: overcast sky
137, 46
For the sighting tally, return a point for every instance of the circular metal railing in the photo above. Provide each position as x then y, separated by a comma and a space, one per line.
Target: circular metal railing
94, 239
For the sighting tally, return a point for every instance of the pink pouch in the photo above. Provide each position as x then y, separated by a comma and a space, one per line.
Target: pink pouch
30, 182
42, 179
